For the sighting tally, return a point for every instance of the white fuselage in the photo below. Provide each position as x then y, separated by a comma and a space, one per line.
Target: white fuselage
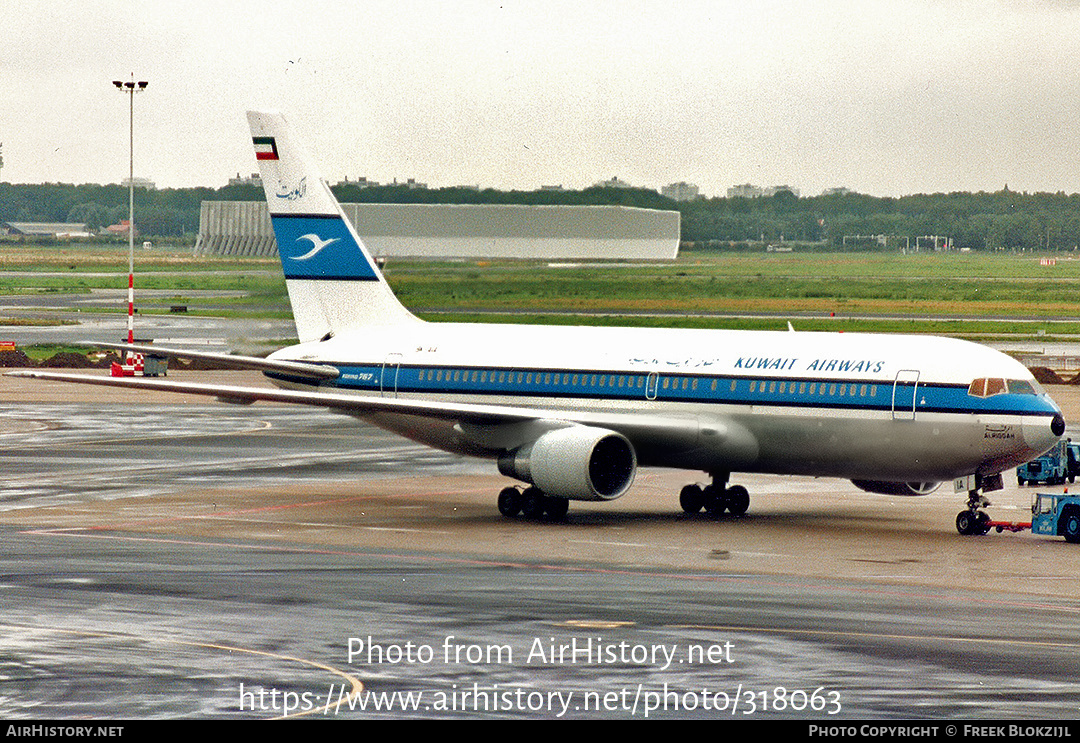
881, 407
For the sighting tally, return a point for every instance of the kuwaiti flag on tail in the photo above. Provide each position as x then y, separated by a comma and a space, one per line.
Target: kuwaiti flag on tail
265, 148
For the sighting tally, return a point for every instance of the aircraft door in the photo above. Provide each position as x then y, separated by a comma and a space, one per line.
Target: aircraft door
388, 382
903, 395
651, 383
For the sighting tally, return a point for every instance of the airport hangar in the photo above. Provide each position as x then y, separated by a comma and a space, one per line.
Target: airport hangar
437, 231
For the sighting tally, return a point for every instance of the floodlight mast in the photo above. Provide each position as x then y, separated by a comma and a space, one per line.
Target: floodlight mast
131, 88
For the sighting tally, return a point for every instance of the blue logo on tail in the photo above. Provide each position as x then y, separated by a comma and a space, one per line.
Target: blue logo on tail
320, 247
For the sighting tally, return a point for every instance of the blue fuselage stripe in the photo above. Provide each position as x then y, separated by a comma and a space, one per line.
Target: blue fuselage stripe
708, 389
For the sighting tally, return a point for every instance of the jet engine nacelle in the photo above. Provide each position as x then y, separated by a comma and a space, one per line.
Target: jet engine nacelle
896, 488
577, 462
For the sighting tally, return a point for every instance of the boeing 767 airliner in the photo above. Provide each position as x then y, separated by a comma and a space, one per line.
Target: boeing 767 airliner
573, 412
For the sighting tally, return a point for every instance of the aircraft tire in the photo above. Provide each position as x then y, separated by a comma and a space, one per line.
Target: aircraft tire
1069, 525
691, 499
966, 523
556, 508
532, 503
509, 502
982, 523
738, 500
715, 502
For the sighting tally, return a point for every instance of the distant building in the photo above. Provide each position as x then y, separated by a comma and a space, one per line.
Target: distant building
361, 182
838, 191
252, 180
750, 191
121, 228
146, 183
60, 230
744, 191
463, 231
410, 184
773, 190
558, 187
680, 191
613, 183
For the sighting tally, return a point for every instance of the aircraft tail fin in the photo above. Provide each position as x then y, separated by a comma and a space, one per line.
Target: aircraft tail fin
334, 284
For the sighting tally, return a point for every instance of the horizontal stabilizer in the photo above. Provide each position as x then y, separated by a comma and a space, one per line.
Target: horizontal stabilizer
231, 361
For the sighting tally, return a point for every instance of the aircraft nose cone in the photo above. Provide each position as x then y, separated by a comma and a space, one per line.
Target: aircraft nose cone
1042, 433
1057, 425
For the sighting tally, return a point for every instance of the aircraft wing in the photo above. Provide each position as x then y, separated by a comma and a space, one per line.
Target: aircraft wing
295, 368
486, 424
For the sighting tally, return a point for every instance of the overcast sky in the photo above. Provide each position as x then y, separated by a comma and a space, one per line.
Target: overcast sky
886, 98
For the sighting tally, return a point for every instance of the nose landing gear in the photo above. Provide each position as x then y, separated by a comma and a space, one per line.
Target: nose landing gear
973, 521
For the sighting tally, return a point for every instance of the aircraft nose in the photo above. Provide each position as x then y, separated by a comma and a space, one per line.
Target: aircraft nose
1057, 425
1043, 433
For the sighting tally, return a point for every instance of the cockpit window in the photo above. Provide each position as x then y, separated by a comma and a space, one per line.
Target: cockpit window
990, 386
1021, 387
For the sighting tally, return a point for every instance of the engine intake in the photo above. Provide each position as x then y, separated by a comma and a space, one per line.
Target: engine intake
896, 488
577, 462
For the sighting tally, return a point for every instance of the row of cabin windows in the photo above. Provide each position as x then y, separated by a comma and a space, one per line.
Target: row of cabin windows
829, 389
638, 382
504, 377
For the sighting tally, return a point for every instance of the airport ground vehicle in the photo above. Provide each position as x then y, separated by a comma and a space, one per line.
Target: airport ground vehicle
1072, 452
1052, 514
1052, 468
1056, 514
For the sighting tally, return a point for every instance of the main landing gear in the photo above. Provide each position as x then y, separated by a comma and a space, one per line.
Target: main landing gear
973, 521
532, 503
716, 498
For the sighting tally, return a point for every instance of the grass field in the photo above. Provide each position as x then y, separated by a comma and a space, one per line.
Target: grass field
967, 295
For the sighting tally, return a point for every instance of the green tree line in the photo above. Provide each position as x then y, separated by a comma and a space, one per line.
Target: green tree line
980, 221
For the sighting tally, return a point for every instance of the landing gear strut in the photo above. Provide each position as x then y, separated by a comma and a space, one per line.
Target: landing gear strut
715, 498
532, 503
